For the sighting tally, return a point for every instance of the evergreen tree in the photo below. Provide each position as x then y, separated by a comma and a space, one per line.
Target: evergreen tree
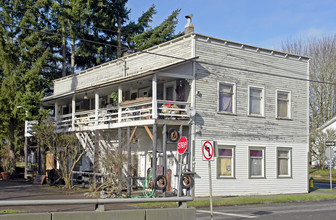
154, 36
22, 58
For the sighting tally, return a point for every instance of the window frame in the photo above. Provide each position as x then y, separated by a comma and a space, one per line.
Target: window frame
289, 106
233, 161
263, 163
234, 95
290, 171
262, 102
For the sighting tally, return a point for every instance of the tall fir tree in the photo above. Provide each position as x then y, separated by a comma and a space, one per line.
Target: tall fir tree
160, 34
22, 58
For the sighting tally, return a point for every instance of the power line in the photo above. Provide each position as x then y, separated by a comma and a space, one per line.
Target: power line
184, 59
270, 74
65, 36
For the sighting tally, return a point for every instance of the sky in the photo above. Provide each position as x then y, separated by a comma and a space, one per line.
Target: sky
261, 23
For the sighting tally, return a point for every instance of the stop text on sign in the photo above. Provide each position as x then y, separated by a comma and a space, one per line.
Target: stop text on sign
182, 145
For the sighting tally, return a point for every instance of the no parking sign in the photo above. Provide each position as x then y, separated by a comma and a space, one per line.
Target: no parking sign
208, 154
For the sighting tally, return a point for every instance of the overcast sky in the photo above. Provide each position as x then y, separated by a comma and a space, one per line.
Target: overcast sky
262, 23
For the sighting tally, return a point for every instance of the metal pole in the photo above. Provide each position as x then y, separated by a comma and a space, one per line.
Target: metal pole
210, 190
26, 157
179, 164
330, 160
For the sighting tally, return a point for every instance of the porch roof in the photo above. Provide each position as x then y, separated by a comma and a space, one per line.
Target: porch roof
51, 99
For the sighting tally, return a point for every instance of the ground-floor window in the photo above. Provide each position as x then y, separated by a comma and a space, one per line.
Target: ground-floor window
257, 162
225, 161
284, 162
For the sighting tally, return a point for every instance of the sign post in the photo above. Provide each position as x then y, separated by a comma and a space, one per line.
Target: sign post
208, 154
181, 149
330, 144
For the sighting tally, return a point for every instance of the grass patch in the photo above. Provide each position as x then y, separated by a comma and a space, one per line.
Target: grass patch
242, 201
11, 211
322, 175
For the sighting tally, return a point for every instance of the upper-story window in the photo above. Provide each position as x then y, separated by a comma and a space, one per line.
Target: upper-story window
283, 104
226, 98
256, 101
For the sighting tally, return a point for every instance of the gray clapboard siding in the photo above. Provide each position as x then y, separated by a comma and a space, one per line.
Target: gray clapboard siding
241, 184
248, 66
241, 125
165, 54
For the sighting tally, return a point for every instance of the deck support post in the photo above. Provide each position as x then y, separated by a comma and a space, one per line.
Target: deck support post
189, 153
164, 149
180, 160
154, 151
128, 161
96, 157
120, 149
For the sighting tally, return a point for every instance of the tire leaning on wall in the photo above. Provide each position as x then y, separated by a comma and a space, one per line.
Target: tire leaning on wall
186, 181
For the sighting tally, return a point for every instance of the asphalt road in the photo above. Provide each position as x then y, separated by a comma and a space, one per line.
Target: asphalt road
324, 185
321, 210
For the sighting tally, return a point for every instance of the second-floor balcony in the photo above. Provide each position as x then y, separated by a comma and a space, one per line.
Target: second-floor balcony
125, 105
131, 113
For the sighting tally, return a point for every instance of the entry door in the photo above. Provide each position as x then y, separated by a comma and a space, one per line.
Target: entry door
169, 92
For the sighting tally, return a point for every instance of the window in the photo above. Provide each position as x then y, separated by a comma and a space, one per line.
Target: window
225, 161
284, 162
283, 104
257, 165
256, 101
226, 98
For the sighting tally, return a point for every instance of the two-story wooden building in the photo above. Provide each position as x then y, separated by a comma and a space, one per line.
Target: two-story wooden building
252, 102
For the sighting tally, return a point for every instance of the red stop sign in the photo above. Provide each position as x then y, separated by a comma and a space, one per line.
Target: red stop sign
182, 145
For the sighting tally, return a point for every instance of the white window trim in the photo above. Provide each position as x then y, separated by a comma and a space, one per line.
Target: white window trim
233, 160
234, 103
290, 151
262, 105
289, 110
263, 164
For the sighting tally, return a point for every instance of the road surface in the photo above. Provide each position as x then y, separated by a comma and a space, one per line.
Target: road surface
321, 210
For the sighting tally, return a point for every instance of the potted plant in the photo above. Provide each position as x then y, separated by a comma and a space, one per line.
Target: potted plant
7, 161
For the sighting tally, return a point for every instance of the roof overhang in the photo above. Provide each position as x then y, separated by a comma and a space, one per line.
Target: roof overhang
51, 99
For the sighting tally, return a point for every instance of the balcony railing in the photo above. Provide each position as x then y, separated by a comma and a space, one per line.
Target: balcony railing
129, 111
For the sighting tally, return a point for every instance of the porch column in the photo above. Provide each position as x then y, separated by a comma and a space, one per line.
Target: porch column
180, 159
96, 107
189, 153
128, 160
119, 101
73, 103
164, 149
56, 110
154, 151
154, 97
